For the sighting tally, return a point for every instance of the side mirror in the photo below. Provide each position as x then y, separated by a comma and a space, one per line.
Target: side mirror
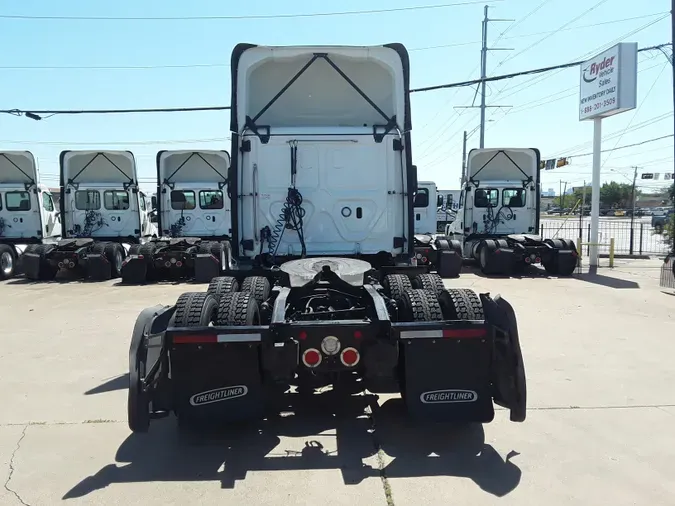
153, 216
153, 199
439, 201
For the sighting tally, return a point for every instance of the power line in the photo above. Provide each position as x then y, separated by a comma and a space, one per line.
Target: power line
626, 146
35, 114
246, 16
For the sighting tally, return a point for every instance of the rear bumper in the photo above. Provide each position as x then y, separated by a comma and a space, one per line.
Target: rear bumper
442, 369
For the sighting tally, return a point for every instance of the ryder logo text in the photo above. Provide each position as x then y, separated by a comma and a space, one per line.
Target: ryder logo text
599, 69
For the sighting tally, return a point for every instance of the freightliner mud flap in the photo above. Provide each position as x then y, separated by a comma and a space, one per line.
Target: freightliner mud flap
30, 264
216, 376
446, 371
507, 372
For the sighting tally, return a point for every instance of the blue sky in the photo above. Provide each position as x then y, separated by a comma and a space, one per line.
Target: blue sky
56, 64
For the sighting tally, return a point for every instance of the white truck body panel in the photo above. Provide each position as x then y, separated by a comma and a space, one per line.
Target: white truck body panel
201, 177
27, 210
353, 188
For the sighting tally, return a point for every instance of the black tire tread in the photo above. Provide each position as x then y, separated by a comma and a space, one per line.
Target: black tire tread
461, 304
257, 286
429, 281
395, 285
424, 305
238, 309
222, 285
191, 308
135, 249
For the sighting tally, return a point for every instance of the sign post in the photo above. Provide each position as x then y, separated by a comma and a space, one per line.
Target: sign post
608, 86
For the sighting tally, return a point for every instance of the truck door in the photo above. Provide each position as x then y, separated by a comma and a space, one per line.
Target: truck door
425, 213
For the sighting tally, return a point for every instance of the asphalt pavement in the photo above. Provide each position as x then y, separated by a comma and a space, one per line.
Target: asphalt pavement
598, 353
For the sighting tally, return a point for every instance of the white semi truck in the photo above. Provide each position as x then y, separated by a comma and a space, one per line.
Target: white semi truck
498, 220
103, 213
29, 220
193, 217
325, 290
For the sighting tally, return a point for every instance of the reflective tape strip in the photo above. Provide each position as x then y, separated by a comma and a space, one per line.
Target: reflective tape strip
421, 334
239, 338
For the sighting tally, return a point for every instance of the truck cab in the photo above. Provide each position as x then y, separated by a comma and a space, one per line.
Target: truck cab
28, 216
100, 197
321, 163
498, 221
27, 210
192, 190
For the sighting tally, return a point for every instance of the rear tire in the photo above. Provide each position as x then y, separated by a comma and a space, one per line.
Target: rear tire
239, 309
7, 261
395, 285
461, 304
420, 306
115, 255
195, 309
222, 285
257, 286
430, 282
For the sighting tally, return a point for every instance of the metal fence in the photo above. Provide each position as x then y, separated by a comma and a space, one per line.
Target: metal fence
640, 239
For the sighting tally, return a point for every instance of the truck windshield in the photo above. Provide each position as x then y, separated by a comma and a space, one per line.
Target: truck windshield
211, 199
116, 200
17, 201
486, 198
513, 197
87, 200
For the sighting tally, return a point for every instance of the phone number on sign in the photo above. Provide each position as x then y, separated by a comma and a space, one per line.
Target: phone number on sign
599, 105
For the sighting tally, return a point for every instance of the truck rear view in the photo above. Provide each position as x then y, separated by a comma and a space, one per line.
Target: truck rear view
321, 166
320, 160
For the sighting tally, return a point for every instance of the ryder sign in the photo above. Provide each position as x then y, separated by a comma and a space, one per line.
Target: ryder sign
609, 82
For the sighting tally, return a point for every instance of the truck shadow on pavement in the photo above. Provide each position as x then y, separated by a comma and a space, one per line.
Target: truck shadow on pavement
328, 435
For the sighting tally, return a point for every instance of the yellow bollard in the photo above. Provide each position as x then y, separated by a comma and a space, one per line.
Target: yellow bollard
611, 252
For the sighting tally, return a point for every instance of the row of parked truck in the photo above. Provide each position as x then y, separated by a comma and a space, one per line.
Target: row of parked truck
106, 227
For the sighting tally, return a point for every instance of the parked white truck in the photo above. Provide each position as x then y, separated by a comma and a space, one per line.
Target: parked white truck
325, 291
103, 213
498, 221
28, 217
193, 217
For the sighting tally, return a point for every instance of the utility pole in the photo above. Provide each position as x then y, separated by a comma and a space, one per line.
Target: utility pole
672, 62
464, 157
632, 215
483, 72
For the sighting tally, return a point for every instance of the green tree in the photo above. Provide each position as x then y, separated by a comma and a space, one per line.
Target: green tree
612, 194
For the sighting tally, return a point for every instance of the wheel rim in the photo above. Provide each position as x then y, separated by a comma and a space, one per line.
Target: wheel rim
6, 263
118, 260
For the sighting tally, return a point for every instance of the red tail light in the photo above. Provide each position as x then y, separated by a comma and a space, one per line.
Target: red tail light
350, 357
311, 357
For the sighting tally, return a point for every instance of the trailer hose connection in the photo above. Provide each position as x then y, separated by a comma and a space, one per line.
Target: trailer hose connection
291, 218
492, 220
93, 222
